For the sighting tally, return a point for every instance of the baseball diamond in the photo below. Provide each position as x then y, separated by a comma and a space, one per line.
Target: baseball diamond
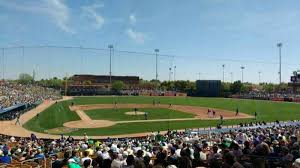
149, 84
95, 116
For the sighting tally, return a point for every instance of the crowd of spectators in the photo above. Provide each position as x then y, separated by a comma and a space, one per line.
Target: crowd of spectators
13, 93
276, 146
266, 96
147, 92
22, 97
10, 115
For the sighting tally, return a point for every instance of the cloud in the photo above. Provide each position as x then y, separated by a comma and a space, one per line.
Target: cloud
138, 37
90, 12
60, 14
56, 10
132, 19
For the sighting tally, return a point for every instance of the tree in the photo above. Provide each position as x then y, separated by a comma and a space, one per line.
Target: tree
167, 85
118, 86
236, 87
155, 82
269, 87
225, 89
53, 82
283, 87
25, 78
246, 88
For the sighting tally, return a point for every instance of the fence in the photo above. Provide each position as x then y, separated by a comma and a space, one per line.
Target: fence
58, 61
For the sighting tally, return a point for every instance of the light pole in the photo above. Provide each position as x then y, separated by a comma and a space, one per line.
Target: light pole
170, 74
199, 75
279, 45
242, 67
3, 60
110, 50
156, 57
174, 73
23, 58
259, 73
66, 84
231, 77
223, 67
81, 59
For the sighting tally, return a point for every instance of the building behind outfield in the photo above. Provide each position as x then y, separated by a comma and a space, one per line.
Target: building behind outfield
97, 84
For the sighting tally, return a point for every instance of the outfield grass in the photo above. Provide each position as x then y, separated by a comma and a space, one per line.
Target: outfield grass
59, 113
53, 117
119, 115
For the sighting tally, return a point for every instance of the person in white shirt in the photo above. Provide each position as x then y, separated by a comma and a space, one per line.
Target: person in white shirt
116, 163
12, 139
85, 157
86, 138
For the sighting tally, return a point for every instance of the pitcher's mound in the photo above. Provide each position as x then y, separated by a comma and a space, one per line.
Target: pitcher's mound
133, 113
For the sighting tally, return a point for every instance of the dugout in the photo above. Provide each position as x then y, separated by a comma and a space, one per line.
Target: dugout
208, 88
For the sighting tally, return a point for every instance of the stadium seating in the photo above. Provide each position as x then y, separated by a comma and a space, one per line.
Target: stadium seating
248, 146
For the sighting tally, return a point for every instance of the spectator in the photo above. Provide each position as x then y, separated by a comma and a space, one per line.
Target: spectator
28, 96
129, 162
230, 161
263, 146
39, 155
85, 157
5, 158
73, 164
87, 163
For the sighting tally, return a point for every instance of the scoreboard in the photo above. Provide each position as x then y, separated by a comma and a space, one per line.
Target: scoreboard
295, 81
208, 88
296, 77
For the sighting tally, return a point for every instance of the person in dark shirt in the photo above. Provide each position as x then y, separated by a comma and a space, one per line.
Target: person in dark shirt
135, 111
237, 112
247, 149
33, 137
70, 139
221, 119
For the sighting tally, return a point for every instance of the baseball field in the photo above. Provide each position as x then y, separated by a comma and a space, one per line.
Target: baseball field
112, 115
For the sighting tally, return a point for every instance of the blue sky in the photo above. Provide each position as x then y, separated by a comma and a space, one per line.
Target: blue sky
202, 34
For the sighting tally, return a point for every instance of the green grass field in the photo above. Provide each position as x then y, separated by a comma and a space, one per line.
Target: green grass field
119, 115
54, 116
59, 113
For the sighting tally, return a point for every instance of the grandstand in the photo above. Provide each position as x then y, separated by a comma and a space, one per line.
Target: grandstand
98, 84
